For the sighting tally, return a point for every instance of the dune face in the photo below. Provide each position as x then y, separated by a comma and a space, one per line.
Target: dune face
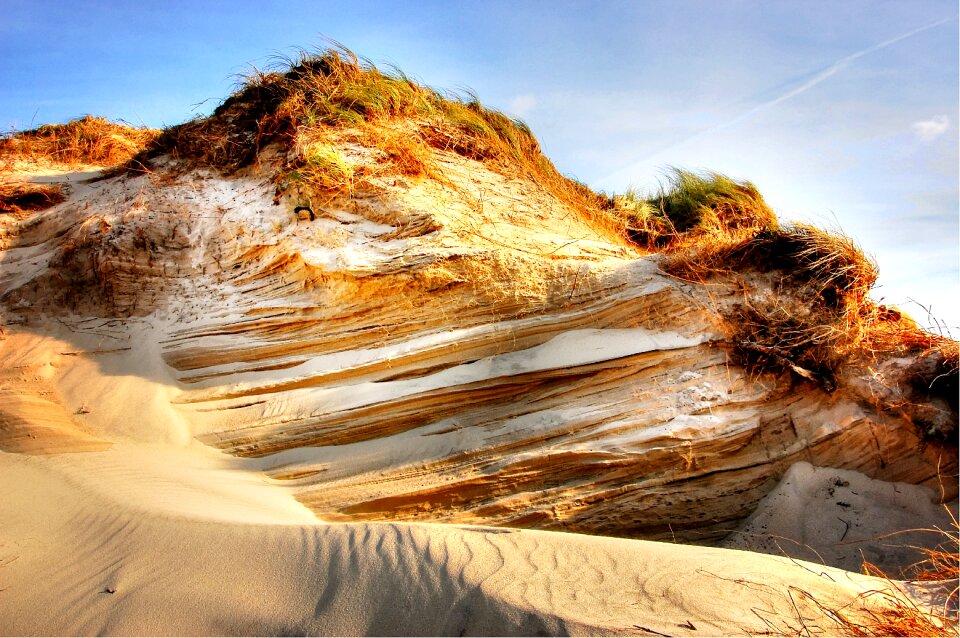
196, 347
512, 366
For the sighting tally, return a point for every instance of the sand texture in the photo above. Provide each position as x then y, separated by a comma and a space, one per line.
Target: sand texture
162, 559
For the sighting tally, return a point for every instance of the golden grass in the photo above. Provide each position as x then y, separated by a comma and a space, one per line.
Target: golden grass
20, 198
325, 167
814, 313
711, 202
691, 206
87, 140
890, 612
803, 306
314, 94
924, 604
892, 331
886, 613
405, 150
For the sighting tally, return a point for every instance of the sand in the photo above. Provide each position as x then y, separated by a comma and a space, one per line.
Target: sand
161, 535
842, 518
116, 520
117, 542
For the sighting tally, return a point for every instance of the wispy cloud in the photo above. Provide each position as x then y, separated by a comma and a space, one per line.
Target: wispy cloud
817, 78
828, 72
931, 129
522, 104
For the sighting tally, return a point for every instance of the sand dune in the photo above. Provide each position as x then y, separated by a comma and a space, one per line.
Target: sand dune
157, 556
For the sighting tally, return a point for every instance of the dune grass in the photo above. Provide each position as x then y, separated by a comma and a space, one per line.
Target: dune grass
81, 142
812, 310
21, 198
316, 94
803, 305
84, 141
813, 314
803, 308
884, 612
326, 167
711, 201
690, 205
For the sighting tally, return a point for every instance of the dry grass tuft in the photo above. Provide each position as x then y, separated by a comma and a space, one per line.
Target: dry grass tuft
20, 198
940, 564
325, 167
87, 140
814, 313
406, 151
943, 562
713, 226
924, 605
887, 613
803, 306
890, 612
828, 266
894, 332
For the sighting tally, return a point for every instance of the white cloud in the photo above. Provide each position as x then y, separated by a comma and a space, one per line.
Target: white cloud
522, 104
933, 128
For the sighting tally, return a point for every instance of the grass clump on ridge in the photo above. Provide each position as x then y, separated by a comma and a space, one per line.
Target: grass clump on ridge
326, 167
811, 314
334, 90
690, 205
806, 309
803, 308
813, 311
86, 140
711, 201
21, 198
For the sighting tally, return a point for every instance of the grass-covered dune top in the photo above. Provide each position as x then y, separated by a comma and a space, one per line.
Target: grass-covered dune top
316, 95
335, 88
691, 205
86, 140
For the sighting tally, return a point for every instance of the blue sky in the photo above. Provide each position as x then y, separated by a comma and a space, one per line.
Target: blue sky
843, 113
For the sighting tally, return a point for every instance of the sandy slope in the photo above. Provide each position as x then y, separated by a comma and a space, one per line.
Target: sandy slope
158, 556
842, 518
466, 351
